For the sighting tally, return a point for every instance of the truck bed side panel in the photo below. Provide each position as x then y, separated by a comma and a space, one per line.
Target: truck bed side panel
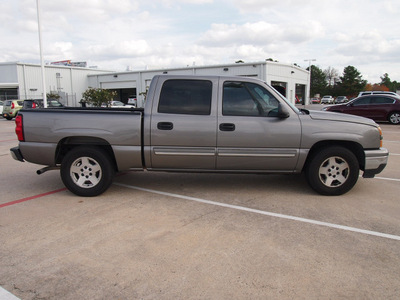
46, 129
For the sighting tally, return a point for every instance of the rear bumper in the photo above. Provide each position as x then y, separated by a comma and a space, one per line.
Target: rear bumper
16, 154
375, 162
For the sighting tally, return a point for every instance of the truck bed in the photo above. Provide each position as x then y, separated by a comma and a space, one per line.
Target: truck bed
52, 129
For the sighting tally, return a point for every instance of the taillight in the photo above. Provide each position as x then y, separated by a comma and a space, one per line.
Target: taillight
12, 105
33, 105
18, 128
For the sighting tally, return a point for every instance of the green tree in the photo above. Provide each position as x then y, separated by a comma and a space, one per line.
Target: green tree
98, 97
385, 80
351, 83
53, 95
395, 86
392, 86
144, 94
318, 81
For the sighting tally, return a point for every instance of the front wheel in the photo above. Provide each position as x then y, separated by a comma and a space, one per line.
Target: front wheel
87, 171
333, 171
394, 118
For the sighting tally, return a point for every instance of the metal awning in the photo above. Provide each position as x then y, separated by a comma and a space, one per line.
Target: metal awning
9, 85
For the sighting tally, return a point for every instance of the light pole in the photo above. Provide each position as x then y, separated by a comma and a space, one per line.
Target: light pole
41, 56
309, 80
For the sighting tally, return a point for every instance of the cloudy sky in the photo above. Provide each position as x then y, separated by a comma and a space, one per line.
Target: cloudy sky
139, 34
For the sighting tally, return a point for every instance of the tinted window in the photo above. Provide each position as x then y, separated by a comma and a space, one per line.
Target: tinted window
247, 99
382, 100
191, 97
362, 101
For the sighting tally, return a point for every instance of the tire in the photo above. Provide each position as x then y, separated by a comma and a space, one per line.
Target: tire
333, 171
394, 118
87, 171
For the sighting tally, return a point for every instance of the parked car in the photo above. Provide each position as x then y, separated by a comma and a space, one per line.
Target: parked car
315, 100
11, 108
327, 99
38, 103
341, 99
132, 100
376, 107
121, 104
365, 93
1, 106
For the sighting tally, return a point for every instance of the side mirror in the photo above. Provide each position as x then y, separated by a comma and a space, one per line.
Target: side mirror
279, 112
283, 113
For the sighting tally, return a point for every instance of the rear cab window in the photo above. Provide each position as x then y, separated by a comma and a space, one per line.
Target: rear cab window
189, 97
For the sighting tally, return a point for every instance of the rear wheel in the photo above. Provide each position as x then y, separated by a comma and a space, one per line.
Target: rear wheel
333, 171
87, 171
394, 117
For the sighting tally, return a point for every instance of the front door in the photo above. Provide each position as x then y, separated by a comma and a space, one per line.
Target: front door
251, 137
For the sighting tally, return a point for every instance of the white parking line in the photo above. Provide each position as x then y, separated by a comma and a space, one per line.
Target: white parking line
6, 295
266, 213
385, 178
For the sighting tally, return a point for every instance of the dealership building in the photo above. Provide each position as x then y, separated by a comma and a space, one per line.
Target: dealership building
24, 81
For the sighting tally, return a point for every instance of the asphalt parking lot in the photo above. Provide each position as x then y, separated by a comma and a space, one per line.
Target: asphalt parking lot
198, 236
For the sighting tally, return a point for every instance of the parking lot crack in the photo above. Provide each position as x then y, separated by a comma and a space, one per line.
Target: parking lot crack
198, 218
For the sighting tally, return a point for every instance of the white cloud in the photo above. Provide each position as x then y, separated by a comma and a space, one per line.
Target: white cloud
166, 33
261, 33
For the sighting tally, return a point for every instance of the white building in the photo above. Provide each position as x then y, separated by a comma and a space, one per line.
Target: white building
24, 81
290, 80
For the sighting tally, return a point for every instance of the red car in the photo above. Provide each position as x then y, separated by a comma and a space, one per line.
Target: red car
375, 107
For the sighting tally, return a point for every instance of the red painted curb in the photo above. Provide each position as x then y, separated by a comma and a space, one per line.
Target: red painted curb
31, 198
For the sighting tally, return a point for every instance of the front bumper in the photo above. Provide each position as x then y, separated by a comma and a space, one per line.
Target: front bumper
375, 162
16, 154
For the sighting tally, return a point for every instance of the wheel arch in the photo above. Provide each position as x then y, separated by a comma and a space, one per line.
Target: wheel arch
67, 144
354, 147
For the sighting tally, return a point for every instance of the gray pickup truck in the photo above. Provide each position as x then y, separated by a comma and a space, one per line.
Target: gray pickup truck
201, 124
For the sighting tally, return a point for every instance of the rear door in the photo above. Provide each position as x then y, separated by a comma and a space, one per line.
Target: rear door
183, 125
250, 135
380, 107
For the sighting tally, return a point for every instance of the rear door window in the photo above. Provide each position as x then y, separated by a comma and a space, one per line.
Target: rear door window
189, 97
382, 100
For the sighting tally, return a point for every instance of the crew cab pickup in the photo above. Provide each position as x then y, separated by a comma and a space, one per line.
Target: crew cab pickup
201, 124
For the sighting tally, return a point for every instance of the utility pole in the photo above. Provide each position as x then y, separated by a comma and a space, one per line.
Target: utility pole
41, 56
309, 80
